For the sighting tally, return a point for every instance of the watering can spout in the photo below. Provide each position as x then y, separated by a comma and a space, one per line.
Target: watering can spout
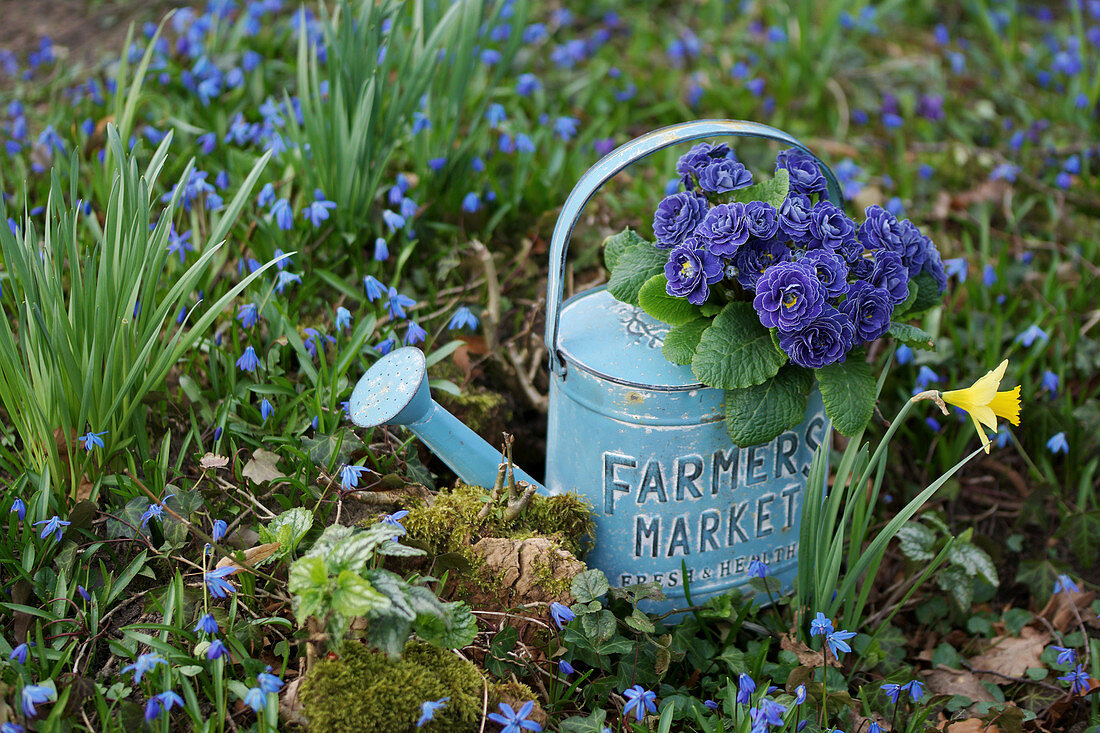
395, 392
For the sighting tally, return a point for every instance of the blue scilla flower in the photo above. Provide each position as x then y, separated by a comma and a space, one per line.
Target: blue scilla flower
1058, 444
915, 688
248, 314
19, 653
343, 318
206, 625
957, 267
1066, 655
219, 530
18, 507
283, 214
408, 208
414, 334
284, 278
397, 304
267, 195
255, 699
36, 695
248, 361
800, 694
904, 354
1066, 583
155, 511
565, 668
710, 704
394, 520
216, 650
92, 440
420, 122
933, 424
515, 721
527, 84
1078, 679
12, 728
373, 287
892, 690
266, 409
206, 142
160, 703
561, 614
471, 202
54, 525
1032, 334
757, 568
428, 709
566, 127
821, 626
639, 702
394, 221
524, 143
989, 275
179, 244
745, 687
144, 663
381, 250
874, 728
349, 476
769, 713
926, 376
495, 114
268, 682
1050, 383
463, 318
384, 346
216, 582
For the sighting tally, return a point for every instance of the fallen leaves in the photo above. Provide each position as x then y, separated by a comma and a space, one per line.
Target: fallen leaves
1011, 656
252, 555
1068, 609
972, 725
807, 657
263, 467
946, 681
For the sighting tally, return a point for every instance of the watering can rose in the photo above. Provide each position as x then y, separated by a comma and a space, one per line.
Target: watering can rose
821, 287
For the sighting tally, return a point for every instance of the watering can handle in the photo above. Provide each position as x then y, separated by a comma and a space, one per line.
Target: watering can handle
614, 162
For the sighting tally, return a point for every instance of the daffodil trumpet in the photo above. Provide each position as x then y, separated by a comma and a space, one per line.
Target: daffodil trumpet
982, 401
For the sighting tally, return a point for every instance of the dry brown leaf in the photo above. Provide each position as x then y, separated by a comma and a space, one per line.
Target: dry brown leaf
84, 490
973, 725
1011, 655
252, 555
1065, 608
212, 461
263, 467
807, 657
946, 681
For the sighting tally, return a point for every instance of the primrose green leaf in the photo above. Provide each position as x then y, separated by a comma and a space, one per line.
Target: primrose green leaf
848, 391
589, 586
681, 341
773, 191
635, 265
655, 300
759, 413
928, 295
736, 351
354, 596
616, 244
911, 335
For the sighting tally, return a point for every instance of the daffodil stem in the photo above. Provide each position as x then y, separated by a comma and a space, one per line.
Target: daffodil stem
894, 425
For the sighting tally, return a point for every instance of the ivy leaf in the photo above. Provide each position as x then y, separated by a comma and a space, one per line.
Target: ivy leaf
635, 265
759, 413
681, 341
916, 541
589, 585
974, 560
616, 244
848, 391
736, 351
655, 300
911, 336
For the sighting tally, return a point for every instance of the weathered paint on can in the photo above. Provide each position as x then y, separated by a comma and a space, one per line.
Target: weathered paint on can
651, 454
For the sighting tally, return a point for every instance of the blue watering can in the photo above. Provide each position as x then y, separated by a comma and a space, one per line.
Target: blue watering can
638, 436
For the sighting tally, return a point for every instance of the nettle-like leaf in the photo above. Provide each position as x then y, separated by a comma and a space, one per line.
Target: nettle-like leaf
759, 413
454, 629
916, 541
736, 351
974, 560
396, 591
655, 300
911, 335
589, 586
682, 340
287, 529
955, 581
354, 596
308, 580
616, 244
848, 391
636, 264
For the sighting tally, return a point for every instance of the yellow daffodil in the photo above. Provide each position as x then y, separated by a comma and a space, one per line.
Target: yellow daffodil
985, 404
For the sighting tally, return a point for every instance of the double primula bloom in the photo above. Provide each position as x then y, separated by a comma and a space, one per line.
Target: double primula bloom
982, 401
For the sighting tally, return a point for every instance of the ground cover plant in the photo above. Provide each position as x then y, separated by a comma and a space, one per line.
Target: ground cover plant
209, 237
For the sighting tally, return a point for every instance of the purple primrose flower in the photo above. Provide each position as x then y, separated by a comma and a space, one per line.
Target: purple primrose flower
724, 229
788, 295
869, 308
691, 271
821, 341
676, 218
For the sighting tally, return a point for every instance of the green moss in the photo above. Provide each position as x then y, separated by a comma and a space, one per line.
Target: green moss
450, 523
365, 692
477, 409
